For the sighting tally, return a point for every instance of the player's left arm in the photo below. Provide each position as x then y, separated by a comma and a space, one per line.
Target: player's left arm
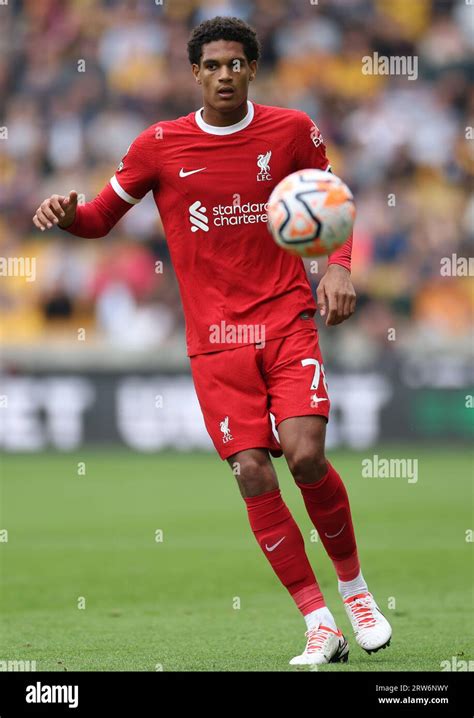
336, 296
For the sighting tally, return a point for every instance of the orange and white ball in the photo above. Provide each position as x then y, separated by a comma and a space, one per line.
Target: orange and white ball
311, 213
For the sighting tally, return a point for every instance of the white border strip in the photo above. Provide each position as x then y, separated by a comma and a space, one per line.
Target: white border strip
230, 129
121, 192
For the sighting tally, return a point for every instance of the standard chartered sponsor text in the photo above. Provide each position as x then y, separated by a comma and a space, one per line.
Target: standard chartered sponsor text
235, 214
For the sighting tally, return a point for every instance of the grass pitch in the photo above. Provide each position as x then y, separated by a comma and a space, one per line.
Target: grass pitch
147, 562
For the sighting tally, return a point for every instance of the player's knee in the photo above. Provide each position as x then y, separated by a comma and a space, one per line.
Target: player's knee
307, 464
254, 473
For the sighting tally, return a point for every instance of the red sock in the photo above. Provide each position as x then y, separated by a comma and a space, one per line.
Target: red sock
328, 507
274, 526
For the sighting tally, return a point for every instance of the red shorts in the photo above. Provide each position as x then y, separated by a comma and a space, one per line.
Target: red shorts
239, 389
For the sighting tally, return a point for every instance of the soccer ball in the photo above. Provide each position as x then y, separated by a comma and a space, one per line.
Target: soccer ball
311, 213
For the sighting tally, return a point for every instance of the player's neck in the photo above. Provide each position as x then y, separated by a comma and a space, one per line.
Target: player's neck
211, 116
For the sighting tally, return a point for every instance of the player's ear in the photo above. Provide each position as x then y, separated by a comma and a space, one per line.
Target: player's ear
253, 70
196, 73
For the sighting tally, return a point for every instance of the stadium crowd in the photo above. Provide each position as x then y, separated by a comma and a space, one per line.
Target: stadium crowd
82, 78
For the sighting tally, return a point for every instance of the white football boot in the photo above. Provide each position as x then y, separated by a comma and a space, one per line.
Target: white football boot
324, 645
371, 628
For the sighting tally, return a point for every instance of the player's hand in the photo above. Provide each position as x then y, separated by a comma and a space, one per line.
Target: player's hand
336, 295
56, 210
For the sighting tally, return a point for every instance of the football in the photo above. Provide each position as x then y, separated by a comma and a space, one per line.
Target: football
311, 213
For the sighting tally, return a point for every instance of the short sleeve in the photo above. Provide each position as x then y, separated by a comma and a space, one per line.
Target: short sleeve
137, 172
310, 147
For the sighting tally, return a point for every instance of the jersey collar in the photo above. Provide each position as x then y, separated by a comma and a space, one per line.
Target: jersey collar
230, 129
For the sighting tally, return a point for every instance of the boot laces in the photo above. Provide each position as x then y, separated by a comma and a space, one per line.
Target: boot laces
363, 612
317, 637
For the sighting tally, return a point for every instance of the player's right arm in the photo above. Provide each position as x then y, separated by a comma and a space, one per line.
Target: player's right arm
135, 176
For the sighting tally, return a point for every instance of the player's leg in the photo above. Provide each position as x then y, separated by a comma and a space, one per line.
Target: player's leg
302, 440
300, 403
327, 503
282, 543
233, 397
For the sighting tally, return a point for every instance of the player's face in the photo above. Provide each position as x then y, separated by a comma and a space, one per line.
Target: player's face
224, 73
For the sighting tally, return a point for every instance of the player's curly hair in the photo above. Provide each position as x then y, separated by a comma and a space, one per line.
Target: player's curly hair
223, 28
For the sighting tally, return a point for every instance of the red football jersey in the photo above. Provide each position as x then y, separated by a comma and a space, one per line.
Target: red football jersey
211, 186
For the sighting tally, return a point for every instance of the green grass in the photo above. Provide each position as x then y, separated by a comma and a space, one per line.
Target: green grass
171, 603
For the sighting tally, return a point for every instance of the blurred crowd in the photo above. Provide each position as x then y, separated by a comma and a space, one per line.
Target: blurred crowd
80, 79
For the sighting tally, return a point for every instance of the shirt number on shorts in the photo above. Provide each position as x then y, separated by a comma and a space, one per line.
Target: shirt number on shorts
318, 371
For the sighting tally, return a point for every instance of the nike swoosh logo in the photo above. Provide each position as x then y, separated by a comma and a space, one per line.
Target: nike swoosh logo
183, 173
334, 535
272, 548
